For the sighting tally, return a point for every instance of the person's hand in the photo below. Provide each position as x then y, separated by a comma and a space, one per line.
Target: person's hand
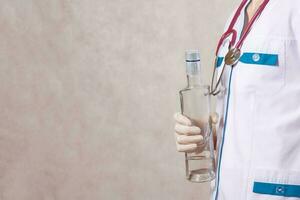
188, 137
214, 117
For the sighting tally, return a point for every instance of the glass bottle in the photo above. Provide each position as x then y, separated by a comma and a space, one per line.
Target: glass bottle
195, 104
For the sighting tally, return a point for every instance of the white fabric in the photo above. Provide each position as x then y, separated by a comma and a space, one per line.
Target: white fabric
262, 136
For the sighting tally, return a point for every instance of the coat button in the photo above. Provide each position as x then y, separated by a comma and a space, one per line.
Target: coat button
256, 57
280, 190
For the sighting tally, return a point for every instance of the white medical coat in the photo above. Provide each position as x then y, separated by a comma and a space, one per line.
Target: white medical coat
259, 129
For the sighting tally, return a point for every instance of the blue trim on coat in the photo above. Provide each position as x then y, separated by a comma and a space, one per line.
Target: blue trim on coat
255, 58
260, 59
277, 189
219, 61
223, 139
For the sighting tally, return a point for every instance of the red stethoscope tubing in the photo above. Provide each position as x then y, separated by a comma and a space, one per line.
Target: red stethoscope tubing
231, 31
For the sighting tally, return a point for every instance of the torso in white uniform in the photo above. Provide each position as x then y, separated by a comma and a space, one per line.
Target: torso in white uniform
259, 132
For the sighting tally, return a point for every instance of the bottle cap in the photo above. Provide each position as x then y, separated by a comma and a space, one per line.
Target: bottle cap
192, 58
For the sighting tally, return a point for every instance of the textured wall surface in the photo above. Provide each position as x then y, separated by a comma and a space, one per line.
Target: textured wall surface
88, 90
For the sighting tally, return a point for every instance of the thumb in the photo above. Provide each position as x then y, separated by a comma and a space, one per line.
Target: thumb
214, 118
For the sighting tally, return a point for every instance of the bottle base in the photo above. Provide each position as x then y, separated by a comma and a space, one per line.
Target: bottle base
201, 175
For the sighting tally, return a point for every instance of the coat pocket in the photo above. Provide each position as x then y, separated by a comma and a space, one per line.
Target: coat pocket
279, 185
262, 66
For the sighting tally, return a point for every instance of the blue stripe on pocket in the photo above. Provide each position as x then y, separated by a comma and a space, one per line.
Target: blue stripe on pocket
277, 189
219, 61
260, 59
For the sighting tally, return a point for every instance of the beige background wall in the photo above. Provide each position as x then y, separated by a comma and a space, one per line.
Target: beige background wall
88, 90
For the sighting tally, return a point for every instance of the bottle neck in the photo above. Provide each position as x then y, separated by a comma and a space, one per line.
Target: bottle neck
194, 80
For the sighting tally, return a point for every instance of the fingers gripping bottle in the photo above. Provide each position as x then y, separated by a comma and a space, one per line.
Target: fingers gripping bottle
195, 104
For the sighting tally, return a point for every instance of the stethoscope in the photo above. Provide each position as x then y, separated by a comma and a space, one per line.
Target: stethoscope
234, 52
